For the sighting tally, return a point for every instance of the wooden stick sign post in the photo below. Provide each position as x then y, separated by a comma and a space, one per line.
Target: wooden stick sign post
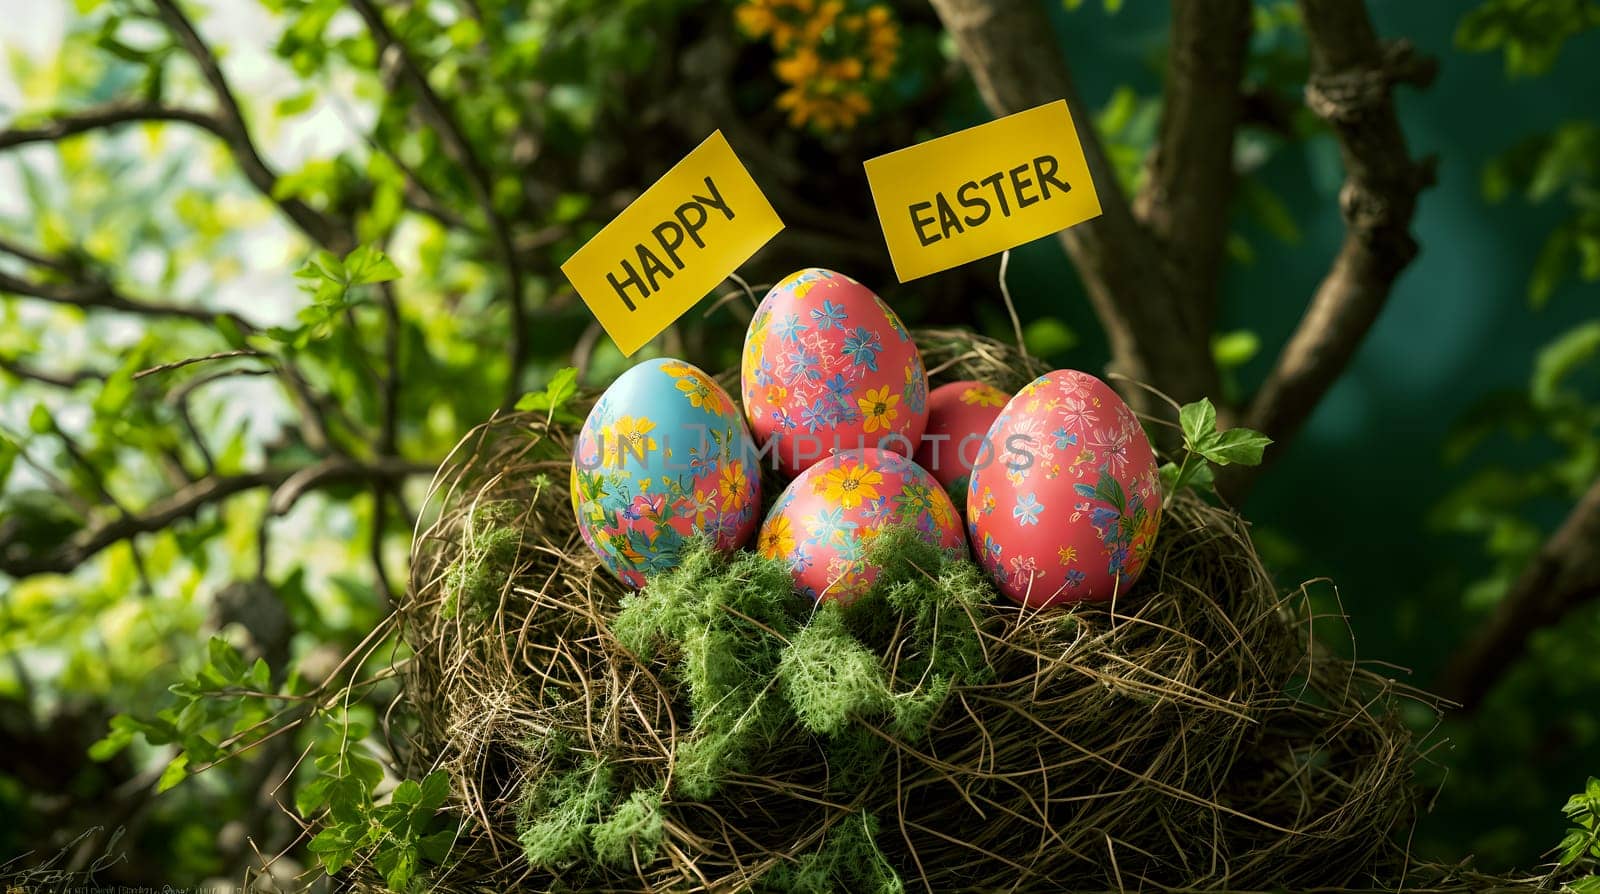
983, 190
673, 245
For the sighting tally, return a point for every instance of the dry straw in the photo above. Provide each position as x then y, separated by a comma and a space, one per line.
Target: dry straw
1189, 736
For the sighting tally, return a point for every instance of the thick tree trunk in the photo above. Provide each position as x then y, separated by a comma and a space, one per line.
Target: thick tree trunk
1156, 336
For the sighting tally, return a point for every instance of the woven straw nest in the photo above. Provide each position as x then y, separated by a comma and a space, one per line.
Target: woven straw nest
1189, 736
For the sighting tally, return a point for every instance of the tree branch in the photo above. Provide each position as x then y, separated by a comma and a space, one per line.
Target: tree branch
1156, 337
34, 257
1186, 199
233, 130
478, 177
289, 485
58, 380
105, 297
1564, 574
106, 117
1351, 87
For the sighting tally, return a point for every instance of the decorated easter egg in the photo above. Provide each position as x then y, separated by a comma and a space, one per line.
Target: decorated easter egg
826, 519
664, 455
829, 367
1065, 506
959, 416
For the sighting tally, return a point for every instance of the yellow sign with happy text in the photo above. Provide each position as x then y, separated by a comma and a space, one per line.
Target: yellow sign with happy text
980, 191
673, 245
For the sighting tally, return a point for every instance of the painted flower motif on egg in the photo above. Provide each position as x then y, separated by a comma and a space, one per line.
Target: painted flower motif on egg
1066, 506
959, 416
829, 367
825, 521
663, 455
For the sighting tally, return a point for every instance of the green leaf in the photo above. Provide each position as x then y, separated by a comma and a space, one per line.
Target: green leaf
176, 772
1573, 846
294, 105
1589, 884
260, 677
1048, 337
39, 420
1171, 477
230, 332
1234, 349
333, 847
1549, 267
366, 769
1560, 358
112, 743
1199, 423
347, 800
225, 659
398, 865
312, 796
366, 265
408, 793
435, 789
436, 847
563, 387
570, 206
327, 265
1240, 446
8, 458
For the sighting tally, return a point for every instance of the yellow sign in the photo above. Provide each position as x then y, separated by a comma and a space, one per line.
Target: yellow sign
980, 191
673, 245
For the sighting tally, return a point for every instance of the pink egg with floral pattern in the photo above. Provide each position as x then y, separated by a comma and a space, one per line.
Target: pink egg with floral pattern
829, 367
959, 416
1065, 505
826, 520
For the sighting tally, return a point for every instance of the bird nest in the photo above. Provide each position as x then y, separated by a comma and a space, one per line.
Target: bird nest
717, 734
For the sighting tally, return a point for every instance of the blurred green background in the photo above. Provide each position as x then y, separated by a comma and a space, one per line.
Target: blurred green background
1426, 479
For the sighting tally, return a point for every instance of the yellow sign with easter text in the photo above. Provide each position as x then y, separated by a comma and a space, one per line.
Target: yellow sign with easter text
673, 245
980, 191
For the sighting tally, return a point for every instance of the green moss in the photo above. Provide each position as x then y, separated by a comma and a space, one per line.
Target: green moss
829, 676
849, 860
723, 624
561, 811
756, 664
489, 549
635, 828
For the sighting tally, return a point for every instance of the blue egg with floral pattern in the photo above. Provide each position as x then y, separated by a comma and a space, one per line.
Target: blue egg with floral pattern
663, 456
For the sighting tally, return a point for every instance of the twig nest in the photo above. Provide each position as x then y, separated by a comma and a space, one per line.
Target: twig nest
718, 732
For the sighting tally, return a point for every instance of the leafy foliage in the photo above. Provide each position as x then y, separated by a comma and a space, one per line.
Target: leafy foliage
1530, 33
219, 708
397, 836
1204, 446
1560, 166
1581, 846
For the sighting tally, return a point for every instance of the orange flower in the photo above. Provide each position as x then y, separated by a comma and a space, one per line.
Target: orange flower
878, 409
777, 538
799, 68
850, 485
983, 396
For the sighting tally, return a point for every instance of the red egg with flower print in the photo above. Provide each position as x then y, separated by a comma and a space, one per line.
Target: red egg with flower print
826, 520
959, 416
829, 367
1065, 504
